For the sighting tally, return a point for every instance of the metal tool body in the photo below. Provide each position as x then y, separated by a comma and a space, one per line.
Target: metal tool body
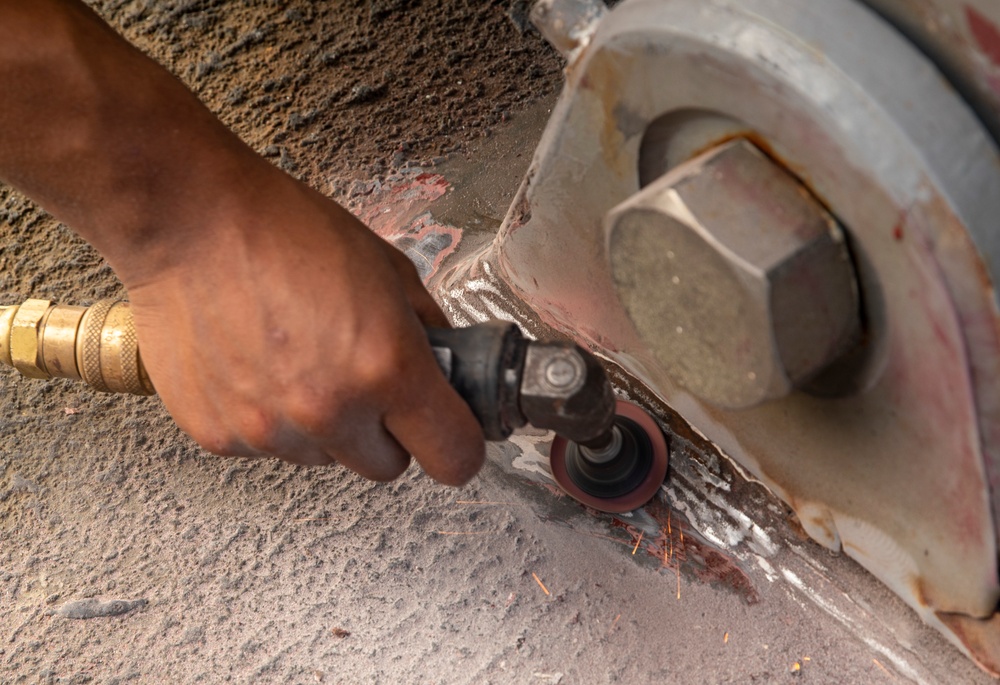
507, 380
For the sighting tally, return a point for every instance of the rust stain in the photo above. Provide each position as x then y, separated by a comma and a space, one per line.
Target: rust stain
919, 591
606, 73
983, 328
980, 636
678, 551
762, 144
985, 32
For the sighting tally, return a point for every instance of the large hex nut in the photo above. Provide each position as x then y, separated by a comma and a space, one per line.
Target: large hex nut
736, 278
25, 338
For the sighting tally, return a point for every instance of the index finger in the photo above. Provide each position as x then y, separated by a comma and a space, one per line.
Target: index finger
438, 429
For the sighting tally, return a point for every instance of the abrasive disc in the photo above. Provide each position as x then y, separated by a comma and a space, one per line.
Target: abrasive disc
649, 470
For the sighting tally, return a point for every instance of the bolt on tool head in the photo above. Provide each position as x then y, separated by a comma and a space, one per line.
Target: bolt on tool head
607, 454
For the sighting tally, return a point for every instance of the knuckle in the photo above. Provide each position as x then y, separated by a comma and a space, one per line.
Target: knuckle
379, 372
201, 432
216, 441
259, 432
314, 414
376, 361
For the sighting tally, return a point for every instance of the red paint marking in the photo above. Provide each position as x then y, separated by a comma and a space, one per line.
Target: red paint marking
399, 203
897, 232
399, 212
985, 32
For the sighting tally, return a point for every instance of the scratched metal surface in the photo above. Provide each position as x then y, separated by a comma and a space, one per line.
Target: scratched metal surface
711, 524
898, 475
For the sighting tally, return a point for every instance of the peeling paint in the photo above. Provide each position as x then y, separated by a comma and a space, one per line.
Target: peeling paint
398, 212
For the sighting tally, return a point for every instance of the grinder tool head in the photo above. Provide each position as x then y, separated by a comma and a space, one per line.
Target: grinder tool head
620, 476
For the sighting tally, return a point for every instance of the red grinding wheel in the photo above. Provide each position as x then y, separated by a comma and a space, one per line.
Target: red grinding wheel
647, 465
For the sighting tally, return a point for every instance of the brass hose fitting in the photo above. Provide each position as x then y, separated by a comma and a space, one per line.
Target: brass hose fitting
96, 344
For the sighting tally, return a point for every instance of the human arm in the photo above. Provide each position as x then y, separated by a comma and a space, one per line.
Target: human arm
271, 321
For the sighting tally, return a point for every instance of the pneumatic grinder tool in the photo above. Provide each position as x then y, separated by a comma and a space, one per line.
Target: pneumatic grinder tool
607, 454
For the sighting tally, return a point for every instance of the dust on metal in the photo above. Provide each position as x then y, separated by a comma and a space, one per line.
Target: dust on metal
737, 279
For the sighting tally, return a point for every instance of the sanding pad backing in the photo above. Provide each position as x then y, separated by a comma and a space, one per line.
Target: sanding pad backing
654, 462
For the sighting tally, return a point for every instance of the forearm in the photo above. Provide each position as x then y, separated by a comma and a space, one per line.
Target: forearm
312, 346
106, 139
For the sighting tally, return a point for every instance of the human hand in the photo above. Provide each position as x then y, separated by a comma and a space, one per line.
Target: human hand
270, 320
293, 330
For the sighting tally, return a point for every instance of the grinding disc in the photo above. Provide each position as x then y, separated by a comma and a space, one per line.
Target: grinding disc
646, 488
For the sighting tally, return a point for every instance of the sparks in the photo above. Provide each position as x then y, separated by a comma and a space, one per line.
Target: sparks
725, 639
884, 669
541, 584
637, 543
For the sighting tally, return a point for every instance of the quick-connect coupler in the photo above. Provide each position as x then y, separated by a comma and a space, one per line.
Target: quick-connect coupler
95, 344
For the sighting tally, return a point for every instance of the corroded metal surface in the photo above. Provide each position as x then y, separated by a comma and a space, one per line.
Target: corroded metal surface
738, 281
567, 24
711, 524
898, 473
